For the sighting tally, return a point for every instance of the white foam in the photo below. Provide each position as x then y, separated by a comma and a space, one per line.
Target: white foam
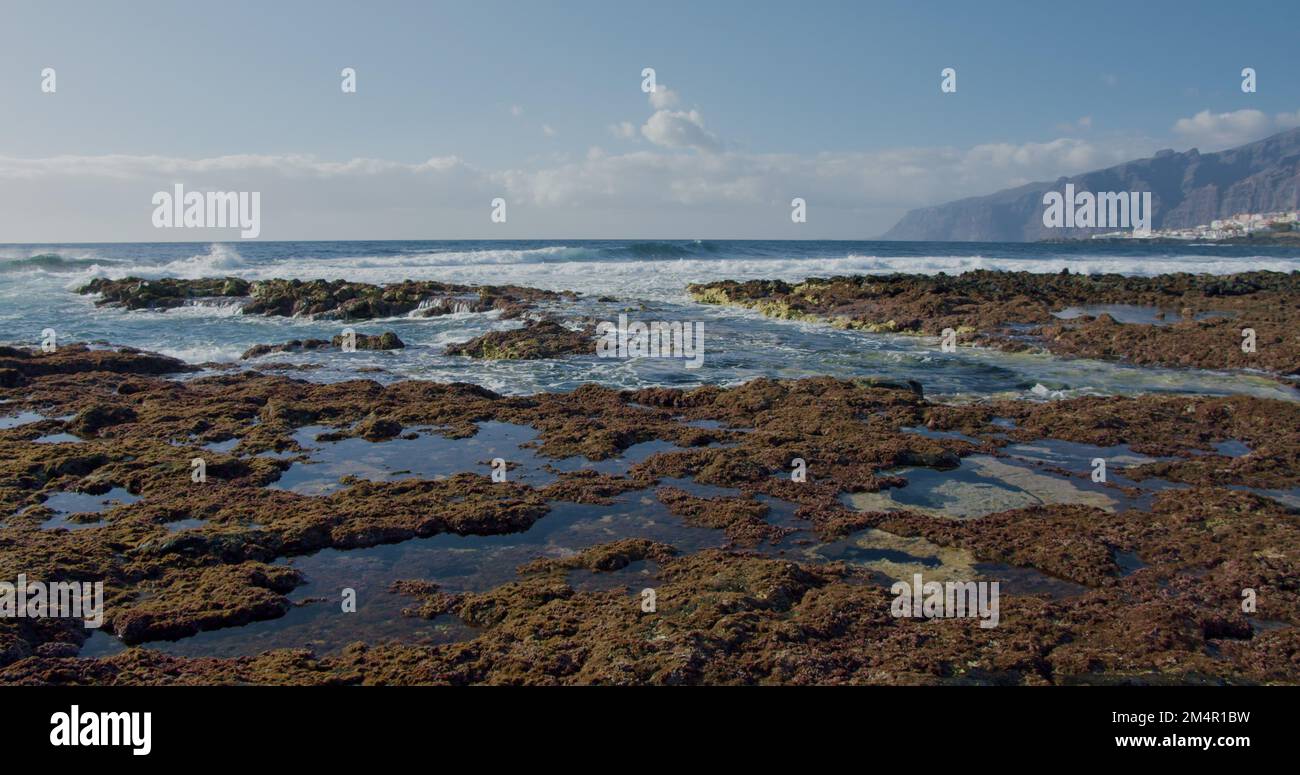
592, 270
668, 279
203, 353
19, 253
557, 269
220, 259
207, 308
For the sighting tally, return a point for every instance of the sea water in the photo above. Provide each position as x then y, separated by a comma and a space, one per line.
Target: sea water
642, 279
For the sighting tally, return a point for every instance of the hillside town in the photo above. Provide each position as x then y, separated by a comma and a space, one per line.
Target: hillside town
1235, 227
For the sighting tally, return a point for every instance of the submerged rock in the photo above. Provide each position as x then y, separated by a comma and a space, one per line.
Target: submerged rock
741, 518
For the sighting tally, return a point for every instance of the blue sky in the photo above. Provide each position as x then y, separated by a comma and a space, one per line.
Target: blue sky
838, 102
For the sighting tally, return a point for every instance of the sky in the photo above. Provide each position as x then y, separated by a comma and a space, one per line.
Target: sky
541, 104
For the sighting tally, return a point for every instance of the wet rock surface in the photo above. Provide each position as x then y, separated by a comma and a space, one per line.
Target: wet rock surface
1194, 320
536, 340
164, 293
329, 299
385, 341
188, 600
21, 365
1160, 566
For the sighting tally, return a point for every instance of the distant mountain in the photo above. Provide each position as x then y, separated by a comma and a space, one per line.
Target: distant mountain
1187, 189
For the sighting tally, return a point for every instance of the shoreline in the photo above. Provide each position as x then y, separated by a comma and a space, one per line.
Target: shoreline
1243, 321
1283, 239
131, 429
499, 538
1175, 320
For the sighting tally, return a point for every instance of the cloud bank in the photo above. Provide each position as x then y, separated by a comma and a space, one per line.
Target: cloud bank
1216, 131
684, 179
675, 179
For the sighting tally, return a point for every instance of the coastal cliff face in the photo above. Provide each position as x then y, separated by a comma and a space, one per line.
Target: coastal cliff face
1187, 189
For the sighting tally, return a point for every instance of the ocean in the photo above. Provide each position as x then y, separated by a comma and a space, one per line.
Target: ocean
644, 279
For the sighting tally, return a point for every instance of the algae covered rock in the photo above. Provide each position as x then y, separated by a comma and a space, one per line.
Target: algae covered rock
537, 340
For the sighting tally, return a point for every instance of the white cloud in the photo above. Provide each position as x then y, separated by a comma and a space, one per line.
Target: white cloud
1287, 120
663, 98
548, 130
894, 180
654, 191
680, 129
1215, 131
674, 129
623, 129
516, 110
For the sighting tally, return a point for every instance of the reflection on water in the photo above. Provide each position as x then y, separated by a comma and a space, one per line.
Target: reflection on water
981, 485
58, 438
65, 504
1122, 313
897, 558
1047, 471
1137, 314
431, 456
456, 563
22, 418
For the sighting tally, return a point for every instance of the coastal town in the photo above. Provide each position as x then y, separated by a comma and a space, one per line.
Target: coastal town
1242, 225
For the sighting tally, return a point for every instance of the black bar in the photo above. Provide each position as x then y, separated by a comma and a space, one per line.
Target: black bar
1064, 724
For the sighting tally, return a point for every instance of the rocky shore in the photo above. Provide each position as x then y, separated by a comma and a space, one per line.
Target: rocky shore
385, 341
536, 340
1153, 564
337, 299
1182, 320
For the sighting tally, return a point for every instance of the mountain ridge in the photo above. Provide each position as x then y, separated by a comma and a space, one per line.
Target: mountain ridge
1187, 188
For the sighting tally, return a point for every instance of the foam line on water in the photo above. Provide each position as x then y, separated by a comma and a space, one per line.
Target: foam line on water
591, 270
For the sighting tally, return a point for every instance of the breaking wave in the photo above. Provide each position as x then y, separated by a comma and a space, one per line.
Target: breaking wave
652, 269
53, 263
